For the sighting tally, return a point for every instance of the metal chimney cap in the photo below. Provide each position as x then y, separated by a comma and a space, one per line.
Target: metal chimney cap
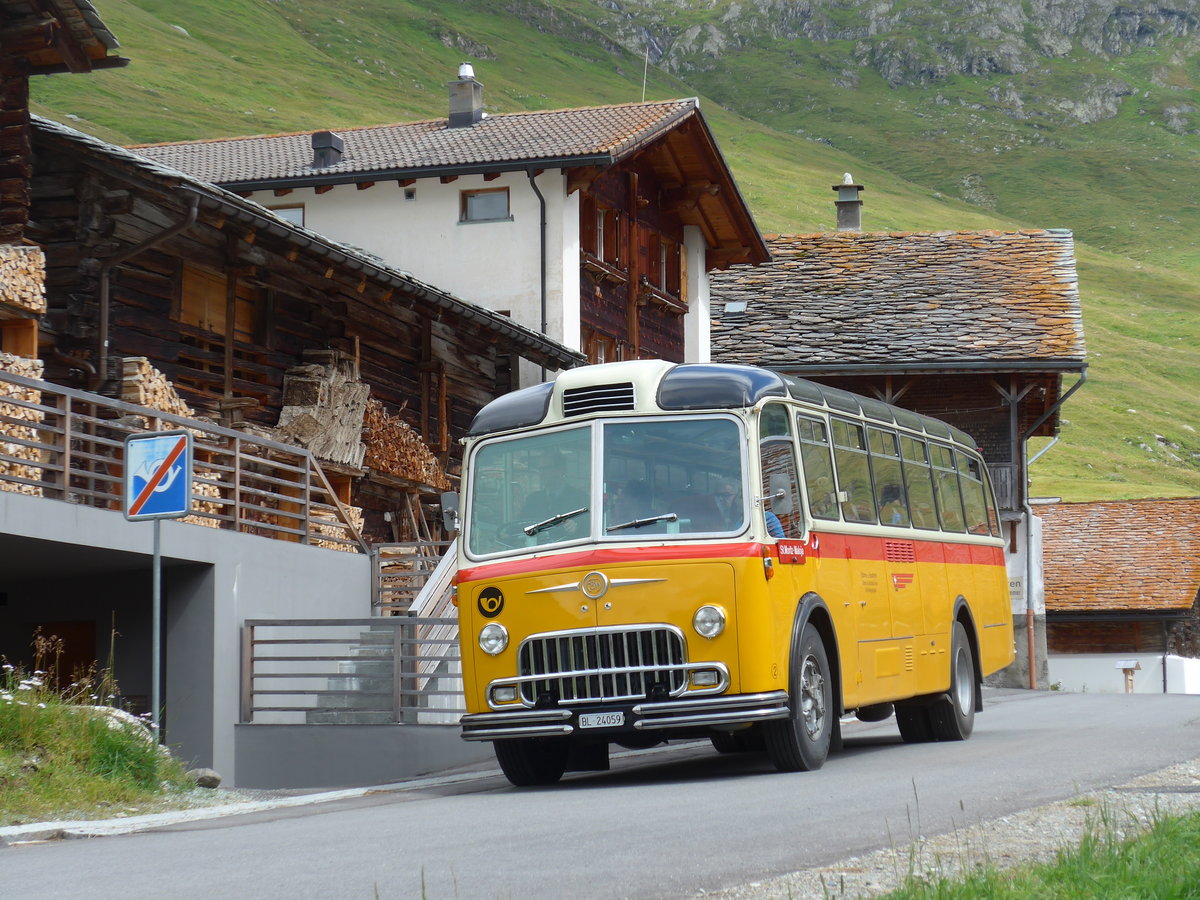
466, 70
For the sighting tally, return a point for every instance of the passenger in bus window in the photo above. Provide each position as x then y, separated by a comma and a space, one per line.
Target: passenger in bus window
774, 526
893, 510
729, 504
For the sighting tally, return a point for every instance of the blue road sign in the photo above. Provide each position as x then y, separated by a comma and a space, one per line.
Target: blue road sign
158, 475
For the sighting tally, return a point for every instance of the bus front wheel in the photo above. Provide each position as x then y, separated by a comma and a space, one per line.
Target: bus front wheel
527, 762
952, 716
800, 742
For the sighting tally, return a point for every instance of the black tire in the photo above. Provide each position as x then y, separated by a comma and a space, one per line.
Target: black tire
913, 719
952, 716
800, 743
527, 762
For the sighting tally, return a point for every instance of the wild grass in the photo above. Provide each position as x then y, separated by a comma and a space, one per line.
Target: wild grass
65, 754
1116, 858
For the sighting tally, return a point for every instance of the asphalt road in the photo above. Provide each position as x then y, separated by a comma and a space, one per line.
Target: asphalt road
666, 823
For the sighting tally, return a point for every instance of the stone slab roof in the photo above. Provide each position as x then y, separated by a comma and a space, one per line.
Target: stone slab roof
582, 136
903, 300
1121, 556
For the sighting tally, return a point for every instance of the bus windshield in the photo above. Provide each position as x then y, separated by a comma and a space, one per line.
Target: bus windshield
619, 480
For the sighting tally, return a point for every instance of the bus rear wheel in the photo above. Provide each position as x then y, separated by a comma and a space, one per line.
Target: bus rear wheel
800, 742
527, 762
952, 716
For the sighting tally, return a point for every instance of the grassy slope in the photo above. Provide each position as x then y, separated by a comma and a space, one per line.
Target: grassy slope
258, 66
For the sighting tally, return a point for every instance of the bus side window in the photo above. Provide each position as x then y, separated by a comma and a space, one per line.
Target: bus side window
889, 484
856, 495
818, 468
781, 487
945, 481
970, 478
919, 480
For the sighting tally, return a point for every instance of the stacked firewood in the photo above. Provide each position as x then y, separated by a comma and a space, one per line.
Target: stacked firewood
12, 431
394, 448
334, 528
22, 278
144, 385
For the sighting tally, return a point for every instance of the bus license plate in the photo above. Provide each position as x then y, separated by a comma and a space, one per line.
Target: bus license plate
601, 720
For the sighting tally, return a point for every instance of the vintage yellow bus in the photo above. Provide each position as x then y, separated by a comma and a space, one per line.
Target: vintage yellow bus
651, 551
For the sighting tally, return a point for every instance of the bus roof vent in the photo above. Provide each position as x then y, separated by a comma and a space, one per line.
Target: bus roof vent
598, 398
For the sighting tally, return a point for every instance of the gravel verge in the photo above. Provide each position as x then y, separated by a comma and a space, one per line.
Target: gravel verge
1034, 835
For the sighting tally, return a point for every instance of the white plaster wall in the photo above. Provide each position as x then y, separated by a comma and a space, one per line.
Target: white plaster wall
697, 339
1023, 582
1097, 673
494, 264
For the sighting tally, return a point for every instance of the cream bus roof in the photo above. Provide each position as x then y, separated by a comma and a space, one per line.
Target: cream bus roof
651, 386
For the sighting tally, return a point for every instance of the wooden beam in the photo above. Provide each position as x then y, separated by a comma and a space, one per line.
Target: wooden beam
282, 192
406, 182
323, 189
447, 179
363, 185
491, 176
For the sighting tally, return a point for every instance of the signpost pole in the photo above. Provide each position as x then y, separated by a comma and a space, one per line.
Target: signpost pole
156, 635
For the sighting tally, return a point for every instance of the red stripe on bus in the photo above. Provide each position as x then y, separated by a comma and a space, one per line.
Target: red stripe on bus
612, 556
820, 545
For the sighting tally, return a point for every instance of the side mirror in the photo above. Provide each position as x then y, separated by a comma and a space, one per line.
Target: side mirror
450, 511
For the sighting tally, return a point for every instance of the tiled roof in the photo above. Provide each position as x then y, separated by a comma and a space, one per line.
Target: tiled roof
510, 139
1141, 555
890, 298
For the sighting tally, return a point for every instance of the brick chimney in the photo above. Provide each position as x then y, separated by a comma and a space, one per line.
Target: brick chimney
327, 149
849, 207
466, 98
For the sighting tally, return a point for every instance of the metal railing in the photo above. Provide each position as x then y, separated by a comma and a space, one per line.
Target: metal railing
376, 671
65, 444
402, 571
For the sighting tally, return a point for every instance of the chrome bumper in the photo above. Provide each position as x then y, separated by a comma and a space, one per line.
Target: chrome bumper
647, 715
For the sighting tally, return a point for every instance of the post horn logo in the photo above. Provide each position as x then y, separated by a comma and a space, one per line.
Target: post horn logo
594, 585
490, 602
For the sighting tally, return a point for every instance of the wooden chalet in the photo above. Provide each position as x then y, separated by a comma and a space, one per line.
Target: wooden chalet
1122, 576
198, 299
975, 327
637, 194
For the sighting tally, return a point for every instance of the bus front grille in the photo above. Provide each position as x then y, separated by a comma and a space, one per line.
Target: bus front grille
602, 665
598, 398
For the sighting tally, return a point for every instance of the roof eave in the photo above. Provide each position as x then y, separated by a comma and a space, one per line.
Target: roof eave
416, 172
927, 366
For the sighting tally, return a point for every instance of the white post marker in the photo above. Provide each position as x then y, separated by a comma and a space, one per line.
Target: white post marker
158, 485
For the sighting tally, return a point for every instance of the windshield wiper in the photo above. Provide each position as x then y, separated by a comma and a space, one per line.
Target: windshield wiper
533, 529
639, 523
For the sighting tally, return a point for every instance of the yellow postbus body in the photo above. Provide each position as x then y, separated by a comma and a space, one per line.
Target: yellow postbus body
651, 551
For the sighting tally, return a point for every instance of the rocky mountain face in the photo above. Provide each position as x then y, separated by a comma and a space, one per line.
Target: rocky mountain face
910, 43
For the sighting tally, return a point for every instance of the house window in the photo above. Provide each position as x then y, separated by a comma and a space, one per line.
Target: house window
293, 214
204, 300
489, 205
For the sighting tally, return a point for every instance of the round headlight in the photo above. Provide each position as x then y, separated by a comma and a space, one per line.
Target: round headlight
709, 621
493, 638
